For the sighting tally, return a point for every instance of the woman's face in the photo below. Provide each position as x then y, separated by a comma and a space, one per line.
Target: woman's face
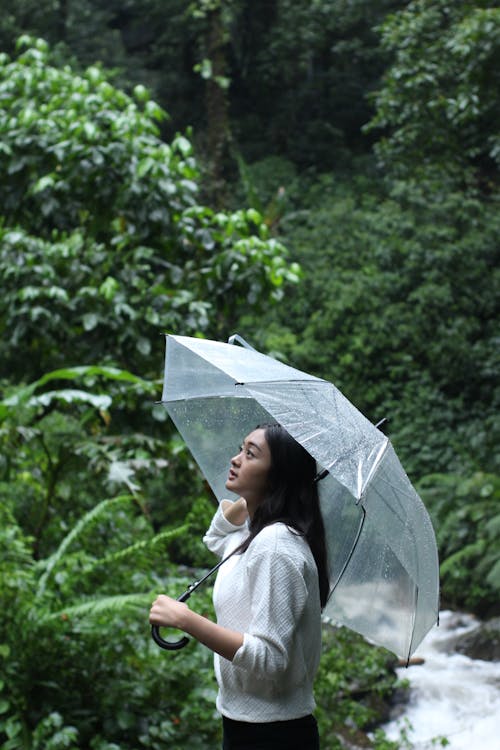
249, 471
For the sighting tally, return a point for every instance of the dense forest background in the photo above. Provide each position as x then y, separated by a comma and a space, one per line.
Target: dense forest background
321, 177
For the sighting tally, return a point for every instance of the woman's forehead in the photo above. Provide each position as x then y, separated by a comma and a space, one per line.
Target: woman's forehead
257, 437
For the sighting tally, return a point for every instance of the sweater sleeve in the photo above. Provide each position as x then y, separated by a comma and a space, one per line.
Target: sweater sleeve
278, 593
222, 535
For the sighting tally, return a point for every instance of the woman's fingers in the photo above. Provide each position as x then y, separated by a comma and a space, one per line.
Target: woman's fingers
166, 612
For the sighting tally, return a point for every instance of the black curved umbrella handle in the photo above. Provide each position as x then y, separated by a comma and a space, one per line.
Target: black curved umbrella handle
171, 645
155, 630
168, 645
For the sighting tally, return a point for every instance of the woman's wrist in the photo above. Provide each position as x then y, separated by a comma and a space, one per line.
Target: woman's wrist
183, 617
222, 640
236, 513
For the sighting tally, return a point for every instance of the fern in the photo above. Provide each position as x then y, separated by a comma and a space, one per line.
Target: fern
92, 608
493, 577
474, 550
96, 513
146, 545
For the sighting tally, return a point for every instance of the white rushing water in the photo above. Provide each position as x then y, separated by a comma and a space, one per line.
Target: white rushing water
451, 695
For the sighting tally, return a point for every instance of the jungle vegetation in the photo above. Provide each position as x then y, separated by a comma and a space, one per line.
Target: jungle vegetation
322, 178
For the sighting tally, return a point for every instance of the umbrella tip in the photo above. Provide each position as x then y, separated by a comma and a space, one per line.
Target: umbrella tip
321, 475
237, 339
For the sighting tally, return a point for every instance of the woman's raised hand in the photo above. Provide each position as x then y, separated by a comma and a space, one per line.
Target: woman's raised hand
236, 512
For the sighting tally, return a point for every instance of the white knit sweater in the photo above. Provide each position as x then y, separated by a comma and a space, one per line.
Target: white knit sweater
271, 595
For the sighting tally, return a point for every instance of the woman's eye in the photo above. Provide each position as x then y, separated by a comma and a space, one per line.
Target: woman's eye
246, 451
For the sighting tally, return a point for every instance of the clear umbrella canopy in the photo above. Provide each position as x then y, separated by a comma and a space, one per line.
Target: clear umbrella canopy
382, 550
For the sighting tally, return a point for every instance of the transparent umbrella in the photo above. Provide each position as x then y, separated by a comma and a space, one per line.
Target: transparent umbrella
383, 560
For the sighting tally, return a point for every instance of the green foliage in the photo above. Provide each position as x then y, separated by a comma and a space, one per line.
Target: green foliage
399, 307
102, 246
304, 69
76, 641
66, 444
103, 243
353, 681
382, 743
95, 305
77, 151
297, 72
189, 548
51, 734
467, 522
438, 105
387, 304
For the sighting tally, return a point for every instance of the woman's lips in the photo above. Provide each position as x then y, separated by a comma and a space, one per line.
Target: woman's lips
231, 475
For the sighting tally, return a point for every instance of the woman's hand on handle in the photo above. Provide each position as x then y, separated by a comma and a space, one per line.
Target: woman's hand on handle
167, 612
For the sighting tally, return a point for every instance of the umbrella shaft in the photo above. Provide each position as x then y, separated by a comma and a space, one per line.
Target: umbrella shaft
193, 586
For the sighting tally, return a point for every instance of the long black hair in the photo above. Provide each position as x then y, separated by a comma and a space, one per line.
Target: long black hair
292, 499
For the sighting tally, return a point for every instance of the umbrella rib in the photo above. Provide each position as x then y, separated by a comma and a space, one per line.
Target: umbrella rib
413, 627
349, 556
247, 384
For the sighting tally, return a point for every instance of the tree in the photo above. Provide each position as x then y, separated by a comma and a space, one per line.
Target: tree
216, 17
438, 104
387, 303
392, 298
103, 239
284, 77
103, 245
301, 74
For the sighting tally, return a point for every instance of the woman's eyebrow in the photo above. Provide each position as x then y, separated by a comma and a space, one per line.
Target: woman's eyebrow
253, 445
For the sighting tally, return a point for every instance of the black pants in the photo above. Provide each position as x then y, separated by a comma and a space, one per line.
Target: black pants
296, 734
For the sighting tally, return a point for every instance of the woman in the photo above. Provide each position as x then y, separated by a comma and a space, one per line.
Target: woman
268, 596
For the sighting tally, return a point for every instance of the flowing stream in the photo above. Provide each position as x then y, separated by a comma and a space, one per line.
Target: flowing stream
451, 695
